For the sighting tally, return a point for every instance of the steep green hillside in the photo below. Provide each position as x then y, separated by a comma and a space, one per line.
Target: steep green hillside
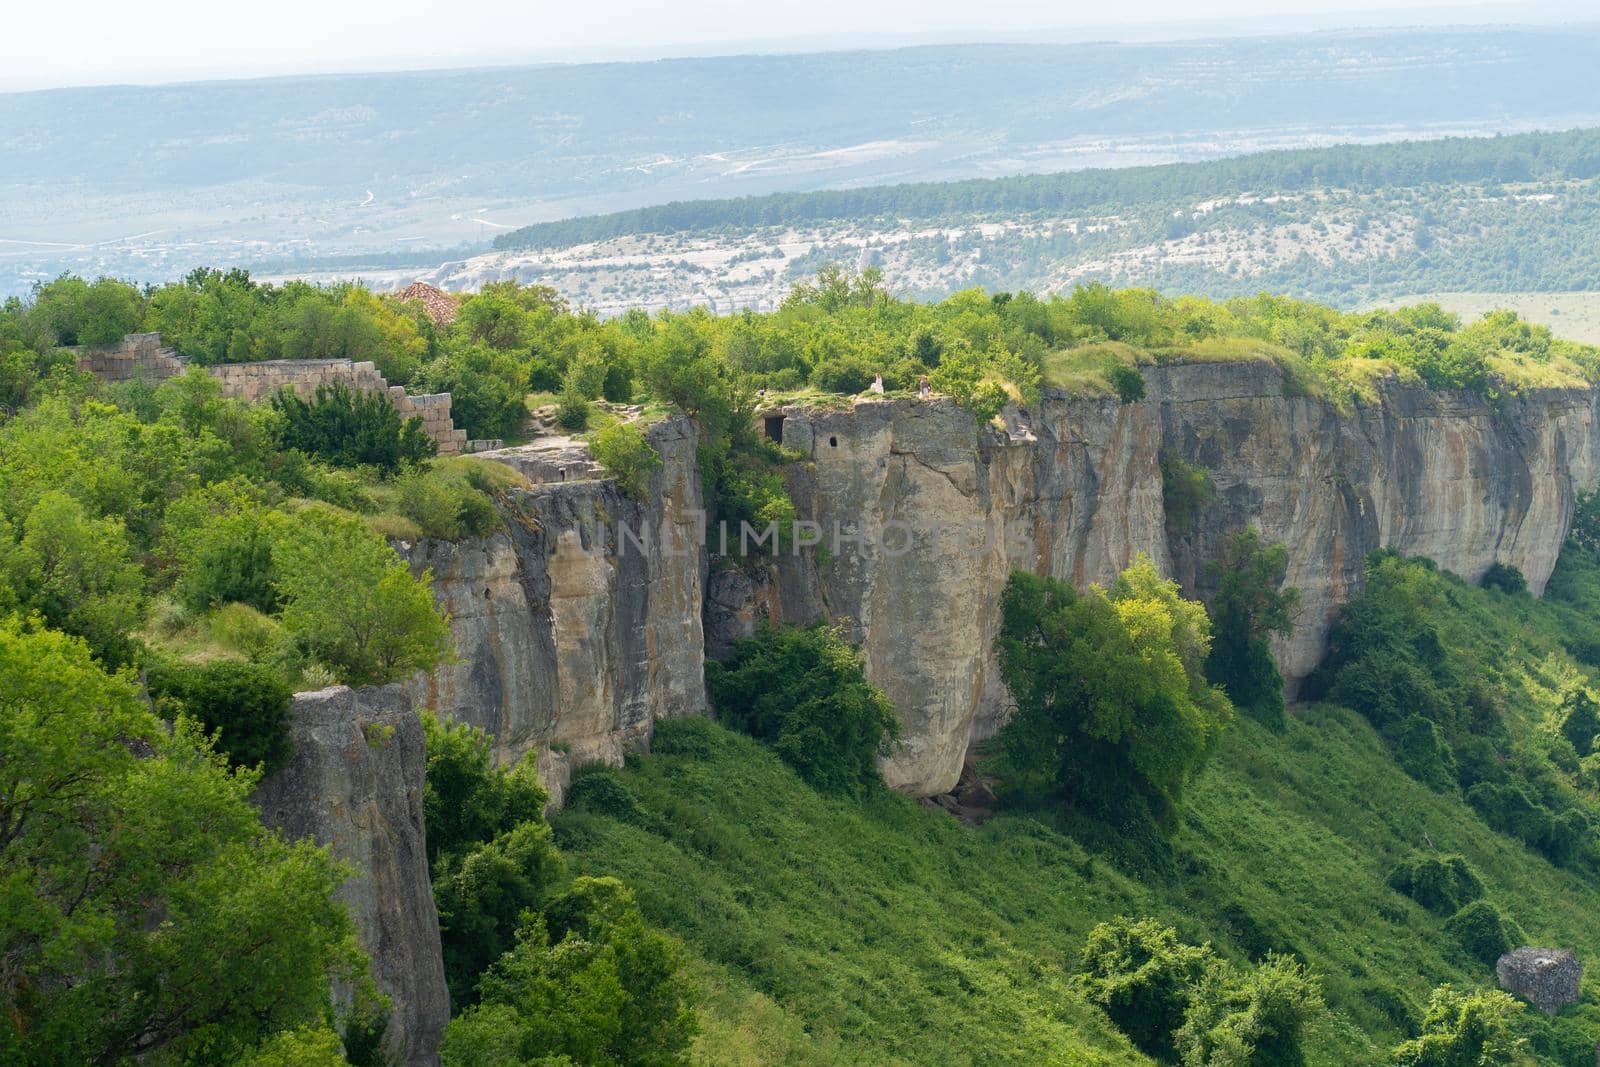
829, 930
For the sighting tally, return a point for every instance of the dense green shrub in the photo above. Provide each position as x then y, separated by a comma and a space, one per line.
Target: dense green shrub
1186, 491
597, 788
587, 983
1250, 606
621, 448
466, 799
246, 704
574, 410
1114, 715
1482, 932
1408, 655
1127, 382
1255, 1019
352, 603
1180, 1001
1580, 719
350, 428
229, 560
804, 693
1563, 1041
1562, 836
484, 892
848, 375
444, 506
749, 493
1422, 751
1462, 1029
1144, 978
1442, 884
1505, 578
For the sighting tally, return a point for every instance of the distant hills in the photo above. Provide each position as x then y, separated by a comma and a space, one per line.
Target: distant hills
1349, 225
353, 171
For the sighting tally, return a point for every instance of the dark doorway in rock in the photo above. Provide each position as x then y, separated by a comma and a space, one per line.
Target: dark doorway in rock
774, 428
833, 442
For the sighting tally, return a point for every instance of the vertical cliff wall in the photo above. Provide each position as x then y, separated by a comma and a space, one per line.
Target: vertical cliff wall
355, 785
1073, 489
572, 643
580, 624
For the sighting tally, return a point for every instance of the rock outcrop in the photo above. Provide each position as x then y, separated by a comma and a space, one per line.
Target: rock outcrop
355, 785
1547, 978
572, 642
932, 512
580, 624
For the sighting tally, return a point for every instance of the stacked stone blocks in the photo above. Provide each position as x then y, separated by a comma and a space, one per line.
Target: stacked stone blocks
141, 356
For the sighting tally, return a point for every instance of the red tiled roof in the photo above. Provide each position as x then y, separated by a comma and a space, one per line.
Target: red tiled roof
440, 305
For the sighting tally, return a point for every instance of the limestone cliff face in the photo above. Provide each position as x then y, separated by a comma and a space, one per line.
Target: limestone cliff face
572, 643
580, 625
1441, 475
1073, 490
355, 785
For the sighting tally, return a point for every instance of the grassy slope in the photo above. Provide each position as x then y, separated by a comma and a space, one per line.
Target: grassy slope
829, 931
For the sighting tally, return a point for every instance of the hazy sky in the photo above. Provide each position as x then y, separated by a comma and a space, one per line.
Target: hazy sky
47, 43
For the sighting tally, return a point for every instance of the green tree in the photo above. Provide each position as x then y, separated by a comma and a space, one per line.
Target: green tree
1580, 719
1256, 1019
144, 912
80, 313
245, 704
1143, 978
1586, 521
1250, 607
353, 603
492, 855
622, 449
1462, 1029
1186, 491
805, 693
483, 894
350, 428
488, 388
1112, 706
592, 983
75, 572
466, 799
228, 560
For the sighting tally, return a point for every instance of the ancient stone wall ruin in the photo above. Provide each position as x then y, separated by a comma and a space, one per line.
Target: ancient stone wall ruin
140, 355
256, 382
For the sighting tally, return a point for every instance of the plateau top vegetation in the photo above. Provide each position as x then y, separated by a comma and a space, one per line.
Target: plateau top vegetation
832, 335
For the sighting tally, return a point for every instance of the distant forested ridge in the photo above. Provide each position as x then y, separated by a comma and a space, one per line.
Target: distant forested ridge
1573, 155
